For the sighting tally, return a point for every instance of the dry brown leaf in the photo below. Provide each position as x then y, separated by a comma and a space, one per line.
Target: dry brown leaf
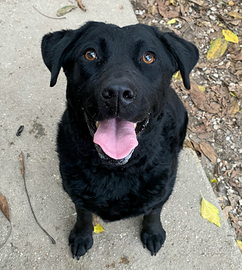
234, 108
196, 147
226, 211
199, 99
233, 199
237, 57
206, 136
4, 206
235, 15
152, 10
187, 143
208, 151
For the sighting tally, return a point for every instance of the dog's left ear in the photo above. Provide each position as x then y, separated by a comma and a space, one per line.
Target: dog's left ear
185, 54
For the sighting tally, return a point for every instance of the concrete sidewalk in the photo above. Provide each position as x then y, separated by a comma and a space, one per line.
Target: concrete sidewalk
26, 99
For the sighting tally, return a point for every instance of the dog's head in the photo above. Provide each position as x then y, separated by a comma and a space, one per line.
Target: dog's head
117, 78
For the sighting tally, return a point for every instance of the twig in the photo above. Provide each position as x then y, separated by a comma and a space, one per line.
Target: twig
48, 16
21, 159
80, 5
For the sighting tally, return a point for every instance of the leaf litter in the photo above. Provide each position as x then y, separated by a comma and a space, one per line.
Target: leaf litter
4, 208
214, 102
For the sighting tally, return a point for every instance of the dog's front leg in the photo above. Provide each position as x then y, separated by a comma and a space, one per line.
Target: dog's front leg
80, 237
153, 235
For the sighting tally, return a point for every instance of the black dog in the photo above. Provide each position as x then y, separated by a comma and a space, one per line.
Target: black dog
121, 133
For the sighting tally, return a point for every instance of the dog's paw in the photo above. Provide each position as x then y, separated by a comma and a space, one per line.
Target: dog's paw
79, 243
153, 242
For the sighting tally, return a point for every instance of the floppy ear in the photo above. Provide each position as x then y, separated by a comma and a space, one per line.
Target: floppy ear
185, 54
54, 47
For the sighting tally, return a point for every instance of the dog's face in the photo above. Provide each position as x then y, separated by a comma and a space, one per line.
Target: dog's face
117, 78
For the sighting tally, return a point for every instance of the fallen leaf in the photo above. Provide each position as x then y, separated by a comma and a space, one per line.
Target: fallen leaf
239, 243
208, 151
172, 2
237, 57
177, 76
231, 3
235, 15
226, 211
199, 99
62, 11
230, 36
152, 10
233, 199
210, 212
234, 108
98, 228
187, 143
214, 180
4, 206
217, 48
202, 88
193, 145
172, 21
232, 94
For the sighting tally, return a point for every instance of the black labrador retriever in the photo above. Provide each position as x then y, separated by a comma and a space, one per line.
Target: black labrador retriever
123, 127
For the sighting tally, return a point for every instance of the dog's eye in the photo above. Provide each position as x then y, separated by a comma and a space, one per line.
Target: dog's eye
148, 58
90, 55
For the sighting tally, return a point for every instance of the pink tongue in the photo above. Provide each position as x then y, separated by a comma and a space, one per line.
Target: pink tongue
116, 137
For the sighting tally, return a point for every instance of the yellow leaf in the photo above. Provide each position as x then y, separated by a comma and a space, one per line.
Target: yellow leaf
230, 36
172, 21
214, 180
201, 88
231, 3
232, 94
217, 48
172, 2
239, 243
210, 212
98, 228
177, 76
235, 15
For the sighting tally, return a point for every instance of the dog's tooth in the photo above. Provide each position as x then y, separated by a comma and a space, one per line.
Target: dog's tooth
135, 125
97, 124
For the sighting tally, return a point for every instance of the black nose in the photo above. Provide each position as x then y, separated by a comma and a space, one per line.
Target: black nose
118, 93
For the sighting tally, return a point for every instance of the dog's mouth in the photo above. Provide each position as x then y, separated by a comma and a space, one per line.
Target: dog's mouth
115, 139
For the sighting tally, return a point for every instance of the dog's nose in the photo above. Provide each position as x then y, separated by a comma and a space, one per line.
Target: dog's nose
118, 93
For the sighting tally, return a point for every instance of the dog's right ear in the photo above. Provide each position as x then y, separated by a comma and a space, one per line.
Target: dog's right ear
54, 48
57, 48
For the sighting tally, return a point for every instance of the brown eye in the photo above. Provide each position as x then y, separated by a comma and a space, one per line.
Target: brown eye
148, 58
90, 55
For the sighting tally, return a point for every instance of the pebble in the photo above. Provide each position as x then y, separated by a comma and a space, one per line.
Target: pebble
213, 18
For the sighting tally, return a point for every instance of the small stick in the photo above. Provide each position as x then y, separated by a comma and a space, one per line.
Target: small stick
80, 5
21, 159
48, 16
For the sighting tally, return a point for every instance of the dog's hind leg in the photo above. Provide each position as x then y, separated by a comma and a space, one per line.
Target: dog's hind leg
80, 237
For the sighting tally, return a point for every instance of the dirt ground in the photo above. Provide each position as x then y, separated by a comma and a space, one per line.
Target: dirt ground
214, 102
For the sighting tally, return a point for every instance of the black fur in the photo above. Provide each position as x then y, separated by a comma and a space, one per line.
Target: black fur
115, 189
